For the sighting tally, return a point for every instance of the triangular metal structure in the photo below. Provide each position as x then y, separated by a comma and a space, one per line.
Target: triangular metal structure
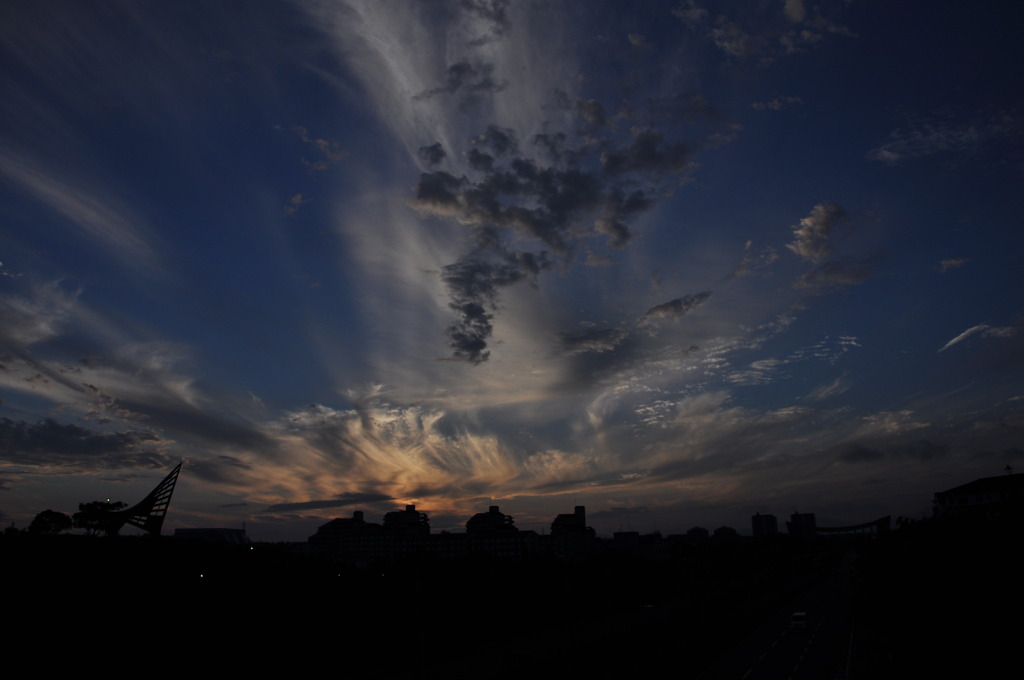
149, 513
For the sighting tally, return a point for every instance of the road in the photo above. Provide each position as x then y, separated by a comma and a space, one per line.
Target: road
775, 651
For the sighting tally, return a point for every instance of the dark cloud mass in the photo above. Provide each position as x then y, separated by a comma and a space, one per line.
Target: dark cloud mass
649, 153
221, 469
590, 110
494, 13
594, 189
678, 307
343, 500
922, 450
48, 442
811, 235
501, 141
433, 154
479, 160
619, 209
466, 78
439, 193
765, 32
813, 241
474, 282
594, 340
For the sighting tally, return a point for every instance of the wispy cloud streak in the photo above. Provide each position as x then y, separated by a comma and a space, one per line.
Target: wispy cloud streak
981, 330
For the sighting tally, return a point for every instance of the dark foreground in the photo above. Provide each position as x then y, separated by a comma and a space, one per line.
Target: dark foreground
916, 603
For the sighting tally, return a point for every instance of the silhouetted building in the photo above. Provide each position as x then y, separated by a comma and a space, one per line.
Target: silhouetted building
725, 534
490, 522
342, 528
494, 533
447, 545
802, 525
407, 522
576, 523
764, 525
570, 535
406, 533
987, 498
697, 534
353, 539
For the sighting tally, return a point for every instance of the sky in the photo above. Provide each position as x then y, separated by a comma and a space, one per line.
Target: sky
679, 262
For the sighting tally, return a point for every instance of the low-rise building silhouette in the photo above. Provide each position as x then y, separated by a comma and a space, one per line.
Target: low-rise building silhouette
570, 535
408, 522
802, 525
490, 522
697, 534
988, 498
764, 525
406, 533
572, 525
352, 539
494, 533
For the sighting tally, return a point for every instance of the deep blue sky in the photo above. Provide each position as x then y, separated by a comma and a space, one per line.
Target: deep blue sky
679, 262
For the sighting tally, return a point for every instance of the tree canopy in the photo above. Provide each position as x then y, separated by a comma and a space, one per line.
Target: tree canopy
100, 517
50, 523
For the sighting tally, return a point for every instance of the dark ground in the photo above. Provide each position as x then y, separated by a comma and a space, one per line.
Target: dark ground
926, 599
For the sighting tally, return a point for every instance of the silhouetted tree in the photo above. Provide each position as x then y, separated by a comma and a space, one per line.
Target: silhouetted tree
50, 523
99, 517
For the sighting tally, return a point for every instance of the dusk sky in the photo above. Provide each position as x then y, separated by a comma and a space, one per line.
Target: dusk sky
677, 261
